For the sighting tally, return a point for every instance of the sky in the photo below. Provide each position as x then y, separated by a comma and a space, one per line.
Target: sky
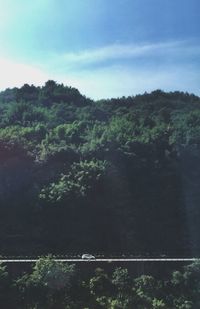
105, 48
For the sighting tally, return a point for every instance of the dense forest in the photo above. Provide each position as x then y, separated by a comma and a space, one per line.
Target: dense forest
116, 176
54, 285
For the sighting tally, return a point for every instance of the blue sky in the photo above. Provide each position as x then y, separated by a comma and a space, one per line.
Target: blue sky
105, 48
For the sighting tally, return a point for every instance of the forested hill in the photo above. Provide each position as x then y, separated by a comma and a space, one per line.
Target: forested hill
111, 176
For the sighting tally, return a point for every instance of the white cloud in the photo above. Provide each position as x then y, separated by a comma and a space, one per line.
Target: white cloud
14, 74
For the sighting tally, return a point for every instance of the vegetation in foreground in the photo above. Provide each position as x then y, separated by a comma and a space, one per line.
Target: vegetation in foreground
56, 285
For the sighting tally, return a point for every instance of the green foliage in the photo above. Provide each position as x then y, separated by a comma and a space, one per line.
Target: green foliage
158, 304
146, 289
25, 137
80, 181
3, 272
121, 279
100, 285
187, 282
70, 133
63, 139
120, 164
57, 285
5, 286
56, 93
48, 285
183, 303
51, 274
24, 114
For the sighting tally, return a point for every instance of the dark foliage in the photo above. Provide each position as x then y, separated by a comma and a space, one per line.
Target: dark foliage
113, 176
54, 285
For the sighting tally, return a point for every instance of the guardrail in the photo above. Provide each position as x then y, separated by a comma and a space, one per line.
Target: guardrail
104, 260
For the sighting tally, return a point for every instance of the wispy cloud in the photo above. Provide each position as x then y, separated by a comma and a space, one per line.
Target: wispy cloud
120, 52
127, 69
116, 77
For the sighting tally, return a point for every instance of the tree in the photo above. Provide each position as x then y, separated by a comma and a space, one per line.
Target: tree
186, 286
100, 288
5, 287
122, 281
82, 178
147, 290
48, 285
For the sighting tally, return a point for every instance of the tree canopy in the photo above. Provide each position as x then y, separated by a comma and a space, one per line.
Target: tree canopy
113, 176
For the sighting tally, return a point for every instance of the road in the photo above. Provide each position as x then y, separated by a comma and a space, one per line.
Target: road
105, 260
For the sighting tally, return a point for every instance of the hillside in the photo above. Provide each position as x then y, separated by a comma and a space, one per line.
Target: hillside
112, 176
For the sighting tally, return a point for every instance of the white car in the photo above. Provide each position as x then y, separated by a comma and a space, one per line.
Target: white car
88, 257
